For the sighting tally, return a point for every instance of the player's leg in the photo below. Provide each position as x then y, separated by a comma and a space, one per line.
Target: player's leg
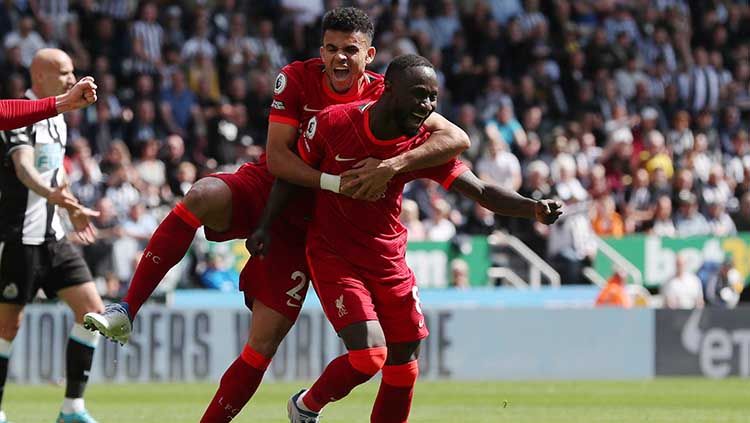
79, 352
275, 288
208, 202
400, 373
365, 343
401, 317
11, 316
19, 265
268, 328
348, 305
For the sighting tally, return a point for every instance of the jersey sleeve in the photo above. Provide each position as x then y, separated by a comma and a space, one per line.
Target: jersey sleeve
15, 139
19, 113
288, 89
444, 174
310, 143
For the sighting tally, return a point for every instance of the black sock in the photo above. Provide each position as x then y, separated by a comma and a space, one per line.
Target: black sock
77, 365
3, 377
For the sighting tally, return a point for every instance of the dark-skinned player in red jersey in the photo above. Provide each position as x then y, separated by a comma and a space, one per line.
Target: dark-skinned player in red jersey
229, 205
356, 249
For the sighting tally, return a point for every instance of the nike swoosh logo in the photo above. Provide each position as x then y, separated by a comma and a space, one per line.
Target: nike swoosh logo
307, 109
343, 159
291, 304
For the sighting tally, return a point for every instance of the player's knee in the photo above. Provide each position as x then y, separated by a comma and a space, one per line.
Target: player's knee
368, 361
9, 329
207, 197
402, 353
266, 346
402, 375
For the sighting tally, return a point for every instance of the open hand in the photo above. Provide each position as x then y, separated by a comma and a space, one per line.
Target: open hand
547, 211
80, 217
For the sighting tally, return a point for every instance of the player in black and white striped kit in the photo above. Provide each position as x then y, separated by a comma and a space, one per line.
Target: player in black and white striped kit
34, 252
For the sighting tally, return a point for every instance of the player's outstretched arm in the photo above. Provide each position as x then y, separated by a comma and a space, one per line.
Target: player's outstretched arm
506, 202
446, 141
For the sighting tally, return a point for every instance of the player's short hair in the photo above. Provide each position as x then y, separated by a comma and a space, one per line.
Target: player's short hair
404, 62
348, 19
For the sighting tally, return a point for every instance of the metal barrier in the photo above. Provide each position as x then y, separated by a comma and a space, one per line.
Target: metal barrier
537, 265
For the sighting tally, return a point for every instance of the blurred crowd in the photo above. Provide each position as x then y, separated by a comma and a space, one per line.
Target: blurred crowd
632, 112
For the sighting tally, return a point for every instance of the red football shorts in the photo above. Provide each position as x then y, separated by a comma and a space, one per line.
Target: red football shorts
280, 279
350, 296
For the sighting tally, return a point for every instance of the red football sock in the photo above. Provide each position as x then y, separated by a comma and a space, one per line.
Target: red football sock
237, 386
167, 247
396, 391
342, 375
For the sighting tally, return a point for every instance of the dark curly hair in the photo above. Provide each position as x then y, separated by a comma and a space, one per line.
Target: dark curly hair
348, 19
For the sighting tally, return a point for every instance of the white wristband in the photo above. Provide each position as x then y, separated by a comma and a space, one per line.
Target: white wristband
330, 182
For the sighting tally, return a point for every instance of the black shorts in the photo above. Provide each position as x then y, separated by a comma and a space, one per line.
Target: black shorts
51, 266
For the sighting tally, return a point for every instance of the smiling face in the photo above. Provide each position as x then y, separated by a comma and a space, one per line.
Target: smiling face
346, 56
413, 98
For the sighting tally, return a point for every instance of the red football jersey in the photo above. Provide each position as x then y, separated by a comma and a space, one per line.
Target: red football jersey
301, 91
367, 234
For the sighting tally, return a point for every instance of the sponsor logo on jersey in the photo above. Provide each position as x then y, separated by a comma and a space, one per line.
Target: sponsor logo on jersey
338, 158
278, 105
307, 109
280, 84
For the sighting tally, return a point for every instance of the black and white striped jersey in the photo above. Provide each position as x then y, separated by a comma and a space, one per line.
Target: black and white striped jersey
24, 215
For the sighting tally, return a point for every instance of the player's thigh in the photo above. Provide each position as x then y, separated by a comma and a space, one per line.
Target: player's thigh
345, 299
19, 266
402, 352
70, 279
400, 311
210, 200
268, 328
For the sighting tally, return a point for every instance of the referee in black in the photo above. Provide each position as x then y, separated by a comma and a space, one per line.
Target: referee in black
34, 252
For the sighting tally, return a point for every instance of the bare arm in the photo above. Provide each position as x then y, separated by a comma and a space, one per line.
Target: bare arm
446, 141
283, 163
281, 192
23, 163
505, 202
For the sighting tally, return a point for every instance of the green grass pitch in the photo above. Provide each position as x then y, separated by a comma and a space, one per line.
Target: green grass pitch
661, 400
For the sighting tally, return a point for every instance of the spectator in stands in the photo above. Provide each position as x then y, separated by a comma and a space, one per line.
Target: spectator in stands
684, 289
605, 220
614, 294
410, 219
440, 227
218, 275
459, 274
662, 224
718, 219
150, 169
687, 221
499, 165
504, 126
148, 40
721, 283
26, 39
742, 217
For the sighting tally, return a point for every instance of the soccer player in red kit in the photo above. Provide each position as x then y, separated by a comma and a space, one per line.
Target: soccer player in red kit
356, 249
230, 205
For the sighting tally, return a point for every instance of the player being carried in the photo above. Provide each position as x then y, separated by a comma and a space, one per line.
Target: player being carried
356, 249
229, 205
